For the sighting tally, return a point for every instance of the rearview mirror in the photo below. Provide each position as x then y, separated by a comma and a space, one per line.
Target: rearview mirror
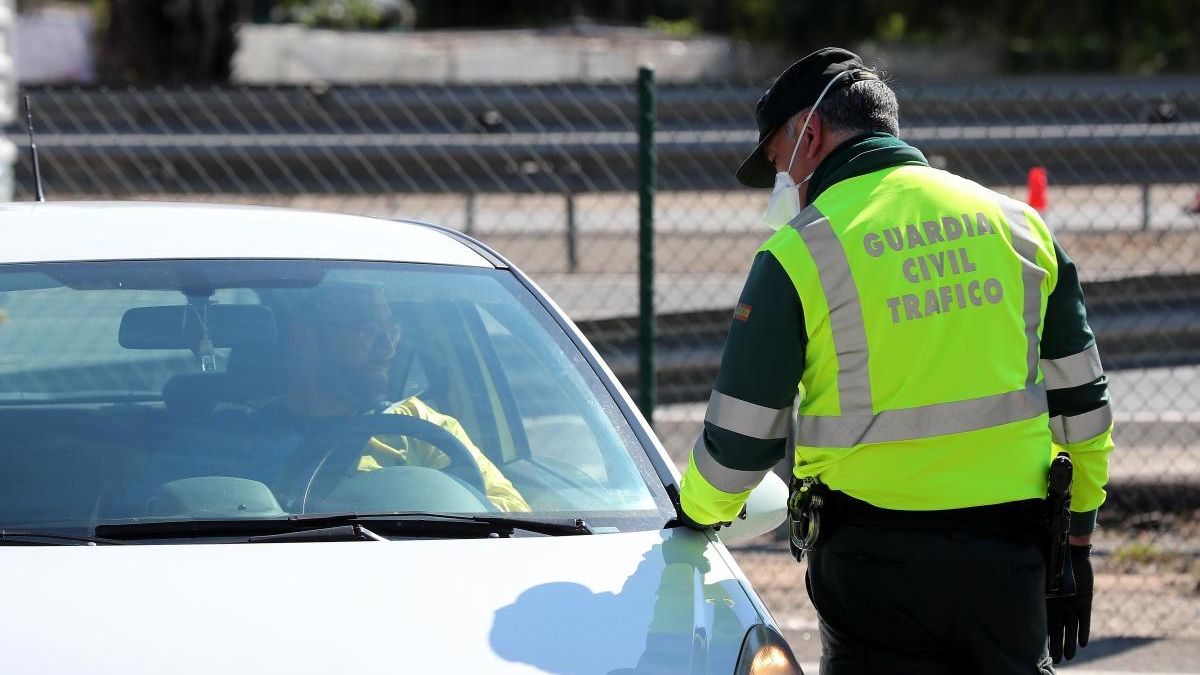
766, 509
178, 326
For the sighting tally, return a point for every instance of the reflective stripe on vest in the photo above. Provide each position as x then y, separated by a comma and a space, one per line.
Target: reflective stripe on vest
1073, 370
746, 418
858, 423
1078, 428
731, 481
845, 313
1031, 279
904, 424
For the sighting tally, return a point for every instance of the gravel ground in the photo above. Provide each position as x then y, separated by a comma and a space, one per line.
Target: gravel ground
1146, 617
1140, 593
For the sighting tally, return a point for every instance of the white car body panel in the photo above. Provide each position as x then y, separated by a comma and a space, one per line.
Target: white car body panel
579, 605
664, 601
76, 231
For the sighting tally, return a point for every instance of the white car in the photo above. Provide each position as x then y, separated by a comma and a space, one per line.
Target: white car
238, 439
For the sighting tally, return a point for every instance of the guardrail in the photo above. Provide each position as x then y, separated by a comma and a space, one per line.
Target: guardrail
568, 162
1139, 322
319, 108
573, 138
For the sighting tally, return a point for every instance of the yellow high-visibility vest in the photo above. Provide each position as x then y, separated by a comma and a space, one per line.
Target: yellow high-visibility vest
923, 297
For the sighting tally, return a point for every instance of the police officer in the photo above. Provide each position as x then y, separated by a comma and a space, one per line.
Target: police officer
934, 334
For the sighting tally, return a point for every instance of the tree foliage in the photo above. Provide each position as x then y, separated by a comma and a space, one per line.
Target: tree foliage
168, 42
1135, 36
175, 41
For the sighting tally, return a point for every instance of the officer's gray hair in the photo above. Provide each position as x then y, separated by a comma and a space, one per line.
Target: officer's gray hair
864, 106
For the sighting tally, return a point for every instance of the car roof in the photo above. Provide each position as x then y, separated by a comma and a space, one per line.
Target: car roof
78, 231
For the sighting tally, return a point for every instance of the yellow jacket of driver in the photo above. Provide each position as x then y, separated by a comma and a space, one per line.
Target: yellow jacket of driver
401, 451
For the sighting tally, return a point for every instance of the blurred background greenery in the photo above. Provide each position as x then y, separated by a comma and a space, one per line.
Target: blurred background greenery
195, 39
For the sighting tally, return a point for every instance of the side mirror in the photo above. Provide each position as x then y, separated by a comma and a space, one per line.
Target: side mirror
766, 509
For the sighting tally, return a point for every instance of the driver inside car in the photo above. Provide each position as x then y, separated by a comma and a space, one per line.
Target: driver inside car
338, 348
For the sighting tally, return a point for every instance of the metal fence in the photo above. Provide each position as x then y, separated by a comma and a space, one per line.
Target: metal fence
548, 175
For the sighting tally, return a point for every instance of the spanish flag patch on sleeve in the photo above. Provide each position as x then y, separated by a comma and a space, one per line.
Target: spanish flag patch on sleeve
742, 312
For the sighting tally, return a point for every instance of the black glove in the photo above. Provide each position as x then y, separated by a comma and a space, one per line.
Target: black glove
1070, 619
715, 526
687, 520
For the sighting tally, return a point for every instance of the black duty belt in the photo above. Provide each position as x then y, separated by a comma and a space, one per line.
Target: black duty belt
815, 510
1021, 517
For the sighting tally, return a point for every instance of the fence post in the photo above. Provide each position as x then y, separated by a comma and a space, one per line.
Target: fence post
469, 214
647, 161
1145, 206
572, 233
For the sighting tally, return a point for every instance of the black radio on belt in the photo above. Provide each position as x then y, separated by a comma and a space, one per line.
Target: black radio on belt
1059, 579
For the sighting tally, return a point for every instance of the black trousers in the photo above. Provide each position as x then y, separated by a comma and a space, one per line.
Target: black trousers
898, 601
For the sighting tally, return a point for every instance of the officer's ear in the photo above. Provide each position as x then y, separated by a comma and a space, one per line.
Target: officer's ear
815, 134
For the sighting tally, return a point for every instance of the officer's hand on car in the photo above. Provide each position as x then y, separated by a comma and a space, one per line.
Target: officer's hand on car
687, 520
1070, 618
691, 522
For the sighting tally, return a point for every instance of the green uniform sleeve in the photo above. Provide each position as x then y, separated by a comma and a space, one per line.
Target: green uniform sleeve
1076, 393
762, 362
745, 426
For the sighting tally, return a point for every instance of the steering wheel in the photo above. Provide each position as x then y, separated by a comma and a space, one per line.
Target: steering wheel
346, 440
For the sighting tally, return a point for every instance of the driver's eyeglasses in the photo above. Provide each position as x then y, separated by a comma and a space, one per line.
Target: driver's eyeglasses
371, 331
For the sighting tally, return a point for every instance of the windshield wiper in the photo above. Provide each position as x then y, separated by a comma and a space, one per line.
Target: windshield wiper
400, 523
353, 532
504, 525
36, 538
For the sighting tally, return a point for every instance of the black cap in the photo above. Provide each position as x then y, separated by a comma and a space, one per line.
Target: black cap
796, 89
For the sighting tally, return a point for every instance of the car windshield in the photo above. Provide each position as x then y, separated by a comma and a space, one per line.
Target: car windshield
175, 390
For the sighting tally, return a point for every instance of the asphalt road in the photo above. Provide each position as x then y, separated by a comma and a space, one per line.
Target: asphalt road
705, 241
1105, 656
1073, 208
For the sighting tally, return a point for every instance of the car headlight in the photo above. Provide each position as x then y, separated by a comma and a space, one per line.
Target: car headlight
765, 652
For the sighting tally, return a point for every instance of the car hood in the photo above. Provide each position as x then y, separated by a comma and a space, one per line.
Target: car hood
649, 602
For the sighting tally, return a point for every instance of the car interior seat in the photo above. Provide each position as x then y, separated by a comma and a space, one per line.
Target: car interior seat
254, 375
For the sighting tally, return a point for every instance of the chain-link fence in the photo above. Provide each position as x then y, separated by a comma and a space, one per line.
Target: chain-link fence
548, 175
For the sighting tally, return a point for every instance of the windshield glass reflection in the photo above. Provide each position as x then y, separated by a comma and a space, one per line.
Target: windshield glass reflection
258, 389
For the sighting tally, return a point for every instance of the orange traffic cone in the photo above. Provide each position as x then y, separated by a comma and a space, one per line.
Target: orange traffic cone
1037, 188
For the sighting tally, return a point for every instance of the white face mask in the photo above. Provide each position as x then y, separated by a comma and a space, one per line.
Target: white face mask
785, 200
784, 204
